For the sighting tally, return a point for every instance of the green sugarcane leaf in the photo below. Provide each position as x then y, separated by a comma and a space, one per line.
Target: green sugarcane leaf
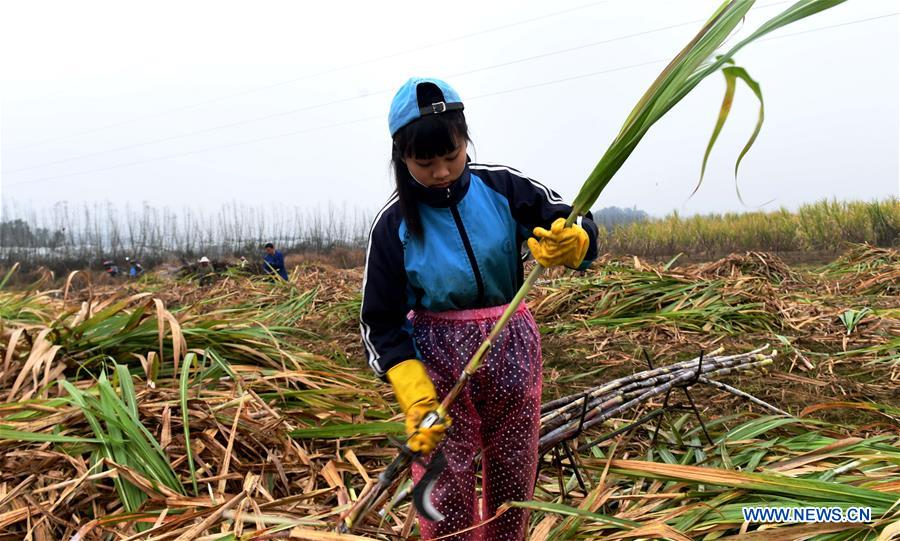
96, 320
688, 520
349, 430
756, 427
741, 73
226, 367
135, 319
724, 110
851, 318
8, 275
769, 483
126, 386
672, 261
21, 435
565, 510
188, 361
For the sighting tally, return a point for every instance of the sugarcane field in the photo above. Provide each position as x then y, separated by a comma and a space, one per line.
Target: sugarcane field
229, 313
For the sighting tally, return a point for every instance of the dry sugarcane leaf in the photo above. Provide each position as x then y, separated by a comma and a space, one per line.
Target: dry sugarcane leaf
542, 531
789, 533
10, 350
316, 535
891, 486
815, 455
352, 459
12, 517
891, 532
68, 284
165, 436
653, 531
151, 488
179, 344
213, 517
42, 352
334, 480
226, 462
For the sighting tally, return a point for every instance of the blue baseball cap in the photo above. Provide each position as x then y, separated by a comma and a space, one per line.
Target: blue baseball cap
407, 107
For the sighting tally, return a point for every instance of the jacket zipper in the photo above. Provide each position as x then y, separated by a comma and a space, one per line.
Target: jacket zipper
479, 282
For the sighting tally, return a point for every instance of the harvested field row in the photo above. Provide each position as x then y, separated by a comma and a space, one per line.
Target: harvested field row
102, 390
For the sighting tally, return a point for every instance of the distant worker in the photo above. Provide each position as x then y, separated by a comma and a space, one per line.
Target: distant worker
110, 267
205, 272
273, 262
134, 267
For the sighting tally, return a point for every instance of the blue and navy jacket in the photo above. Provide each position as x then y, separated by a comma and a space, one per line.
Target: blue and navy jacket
275, 264
468, 256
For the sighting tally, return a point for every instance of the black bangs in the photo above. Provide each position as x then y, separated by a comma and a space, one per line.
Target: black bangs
431, 135
424, 138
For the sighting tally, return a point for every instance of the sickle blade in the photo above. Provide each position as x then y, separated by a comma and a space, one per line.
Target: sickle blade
422, 491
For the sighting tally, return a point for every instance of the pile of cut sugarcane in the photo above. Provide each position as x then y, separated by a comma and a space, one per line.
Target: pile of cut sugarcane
565, 417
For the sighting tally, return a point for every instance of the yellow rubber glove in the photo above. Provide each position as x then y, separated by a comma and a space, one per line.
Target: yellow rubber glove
417, 397
560, 245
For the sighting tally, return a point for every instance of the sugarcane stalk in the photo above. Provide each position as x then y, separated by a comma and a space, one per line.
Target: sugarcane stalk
711, 357
686, 376
744, 395
403, 493
592, 418
578, 399
617, 405
636, 381
370, 497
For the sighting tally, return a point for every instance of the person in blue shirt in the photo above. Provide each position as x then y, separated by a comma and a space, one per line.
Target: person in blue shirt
273, 262
444, 259
134, 268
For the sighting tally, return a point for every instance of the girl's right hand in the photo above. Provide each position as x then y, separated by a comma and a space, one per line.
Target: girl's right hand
417, 397
421, 439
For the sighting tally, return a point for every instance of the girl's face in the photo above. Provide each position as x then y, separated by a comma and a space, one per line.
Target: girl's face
439, 171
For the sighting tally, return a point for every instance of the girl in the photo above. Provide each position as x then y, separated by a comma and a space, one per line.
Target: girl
443, 261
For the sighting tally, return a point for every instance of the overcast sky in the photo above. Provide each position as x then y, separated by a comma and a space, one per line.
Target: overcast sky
202, 103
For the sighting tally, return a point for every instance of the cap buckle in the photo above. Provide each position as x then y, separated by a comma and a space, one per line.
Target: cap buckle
439, 107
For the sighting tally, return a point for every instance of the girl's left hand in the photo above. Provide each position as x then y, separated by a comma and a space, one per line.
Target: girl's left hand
560, 245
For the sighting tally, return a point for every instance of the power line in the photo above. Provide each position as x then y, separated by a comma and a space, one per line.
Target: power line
314, 75
319, 128
848, 23
199, 151
335, 102
363, 96
373, 117
192, 133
